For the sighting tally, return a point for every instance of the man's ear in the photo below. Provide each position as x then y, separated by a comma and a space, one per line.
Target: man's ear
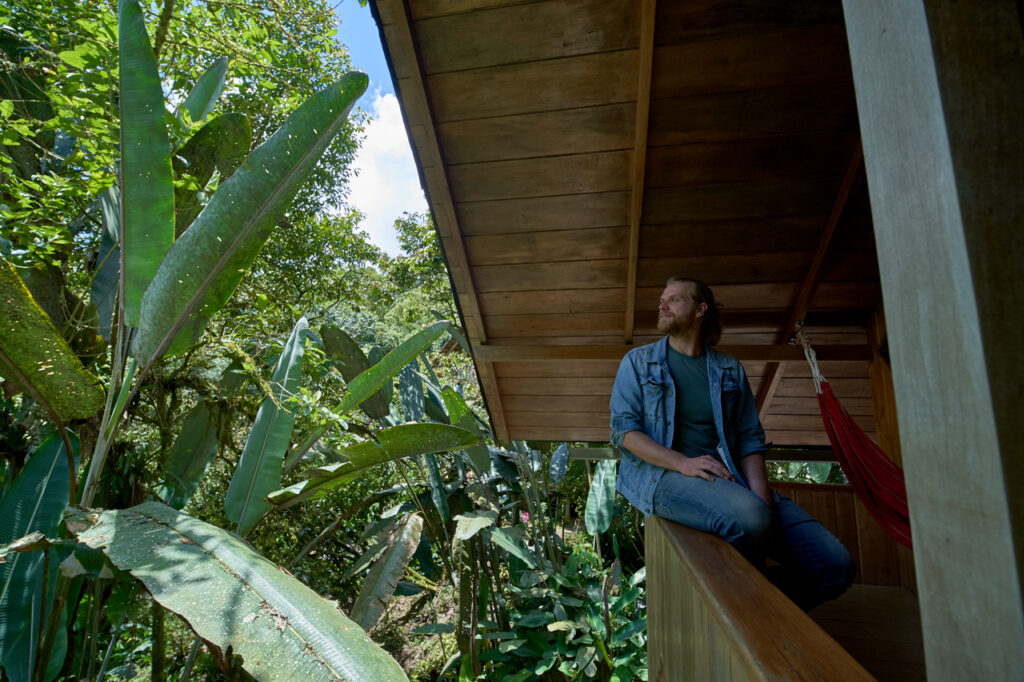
701, 309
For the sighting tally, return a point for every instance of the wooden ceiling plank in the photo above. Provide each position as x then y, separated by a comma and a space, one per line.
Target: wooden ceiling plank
645, 61
540, 214
602, 128
533, 32
539, 247
548, 85
541, 176
813, 276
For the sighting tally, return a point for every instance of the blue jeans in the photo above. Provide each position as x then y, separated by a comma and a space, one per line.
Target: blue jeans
813, 565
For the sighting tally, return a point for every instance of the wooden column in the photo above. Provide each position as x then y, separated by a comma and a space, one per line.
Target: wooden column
941, 112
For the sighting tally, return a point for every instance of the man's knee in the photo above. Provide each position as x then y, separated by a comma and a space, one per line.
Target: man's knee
747, 525
835, 573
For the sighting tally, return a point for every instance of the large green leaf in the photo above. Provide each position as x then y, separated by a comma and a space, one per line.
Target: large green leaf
147, 192
380, 583
219, 145
207, 89
352, 362
204, 266
601, 501
406, 440
259, 468
34, 355
34, 502
438, 494
233, 597
410, 393
190, 454
373, 379
461, 415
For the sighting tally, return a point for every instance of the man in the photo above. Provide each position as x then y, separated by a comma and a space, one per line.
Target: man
692, 450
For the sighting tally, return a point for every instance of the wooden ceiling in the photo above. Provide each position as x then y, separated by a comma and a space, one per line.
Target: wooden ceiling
576, 153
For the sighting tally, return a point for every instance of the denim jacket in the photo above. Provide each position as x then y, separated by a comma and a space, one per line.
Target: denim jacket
643, 399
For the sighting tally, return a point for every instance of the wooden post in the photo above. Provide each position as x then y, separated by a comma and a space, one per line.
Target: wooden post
941, 112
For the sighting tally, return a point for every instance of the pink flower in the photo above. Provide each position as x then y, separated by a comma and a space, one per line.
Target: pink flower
524, 516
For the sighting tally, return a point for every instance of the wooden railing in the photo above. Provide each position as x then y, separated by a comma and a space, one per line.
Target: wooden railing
712, 616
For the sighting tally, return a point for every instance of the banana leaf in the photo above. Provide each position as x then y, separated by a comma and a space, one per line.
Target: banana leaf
206, 91
190, 454
34, 502
147, 192
379, 585
601, 500
236, 599
461, 415
353, 362
35, 356
406, 440
373, 379
410, 393
220, 145
260, 466
203, 267
437, 492
559, 463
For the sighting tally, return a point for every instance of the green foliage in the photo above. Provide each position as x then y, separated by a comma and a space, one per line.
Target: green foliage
583, 621
259, 468
281, 628
147, 192
601, 501
33, 503
829, 473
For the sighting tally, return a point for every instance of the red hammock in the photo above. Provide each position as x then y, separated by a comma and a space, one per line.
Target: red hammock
874, 478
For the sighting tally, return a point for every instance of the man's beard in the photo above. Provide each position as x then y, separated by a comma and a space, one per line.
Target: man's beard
671, 325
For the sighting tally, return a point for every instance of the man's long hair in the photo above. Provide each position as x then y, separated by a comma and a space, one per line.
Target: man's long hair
711, 327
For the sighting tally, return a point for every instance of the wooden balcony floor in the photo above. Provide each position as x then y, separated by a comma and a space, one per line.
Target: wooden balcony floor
881, 627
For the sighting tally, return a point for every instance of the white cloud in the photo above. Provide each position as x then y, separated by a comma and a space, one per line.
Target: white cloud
387, 183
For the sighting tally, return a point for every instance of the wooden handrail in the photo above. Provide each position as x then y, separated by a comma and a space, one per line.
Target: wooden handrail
711, 615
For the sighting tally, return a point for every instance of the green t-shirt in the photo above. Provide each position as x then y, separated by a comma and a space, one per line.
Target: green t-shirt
695, 431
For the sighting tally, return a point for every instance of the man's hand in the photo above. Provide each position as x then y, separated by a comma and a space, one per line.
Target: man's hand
706, 467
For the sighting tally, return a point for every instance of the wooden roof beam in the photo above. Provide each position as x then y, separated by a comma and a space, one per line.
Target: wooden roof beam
643, 108
775, 370
755, 353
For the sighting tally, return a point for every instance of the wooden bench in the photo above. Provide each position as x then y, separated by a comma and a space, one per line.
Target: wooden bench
712, 616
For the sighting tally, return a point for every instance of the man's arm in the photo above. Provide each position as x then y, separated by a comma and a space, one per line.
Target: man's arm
757, 478
644, 447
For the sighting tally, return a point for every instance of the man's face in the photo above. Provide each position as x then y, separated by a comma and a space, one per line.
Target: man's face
677, 313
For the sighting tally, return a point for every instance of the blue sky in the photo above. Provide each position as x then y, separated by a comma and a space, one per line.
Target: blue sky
387, 183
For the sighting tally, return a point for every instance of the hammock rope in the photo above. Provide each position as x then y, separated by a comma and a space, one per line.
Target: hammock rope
875, 479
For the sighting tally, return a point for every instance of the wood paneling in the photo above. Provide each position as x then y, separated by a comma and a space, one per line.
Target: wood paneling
593, 420
546, 276
546, 302
565, 368
552, 325
570, 131
707, 19
558, 403
720, 116
802, 55
542, 176
539, 214
539, 247
534, 32
589, 80
806, 156
557, 386
732, 201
